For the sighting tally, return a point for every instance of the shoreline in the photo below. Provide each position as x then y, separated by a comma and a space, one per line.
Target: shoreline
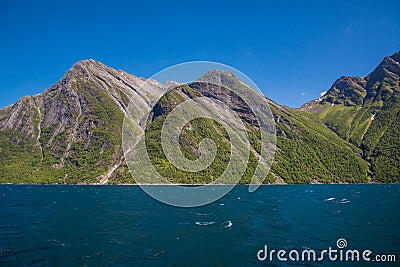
95, 184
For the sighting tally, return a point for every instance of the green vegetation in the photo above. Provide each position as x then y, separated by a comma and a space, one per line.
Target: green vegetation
373, 128
372, 124
385, 158
351, 135
92, 158
191, 135
81, 161
307, 151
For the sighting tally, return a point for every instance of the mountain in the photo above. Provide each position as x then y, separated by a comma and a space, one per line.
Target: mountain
307, 151
366, 112
71, 133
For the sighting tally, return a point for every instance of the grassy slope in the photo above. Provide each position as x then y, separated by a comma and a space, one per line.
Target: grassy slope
307, 151
195, 131
310, 152
377, 137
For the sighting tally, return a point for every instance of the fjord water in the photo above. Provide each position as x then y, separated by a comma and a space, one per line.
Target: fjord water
121, 225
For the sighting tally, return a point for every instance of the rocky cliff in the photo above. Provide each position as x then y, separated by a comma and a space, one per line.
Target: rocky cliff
72, 132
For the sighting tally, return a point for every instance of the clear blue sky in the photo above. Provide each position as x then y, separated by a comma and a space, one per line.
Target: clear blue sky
293, 50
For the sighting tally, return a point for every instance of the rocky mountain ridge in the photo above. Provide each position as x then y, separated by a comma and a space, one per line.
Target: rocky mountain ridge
83, 110
71, 133
366, 112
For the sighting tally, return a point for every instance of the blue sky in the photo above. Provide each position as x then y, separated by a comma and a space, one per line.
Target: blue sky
293, 50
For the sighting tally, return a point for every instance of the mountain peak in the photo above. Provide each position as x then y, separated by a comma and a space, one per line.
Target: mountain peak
72, 132
86, 62
217, 75
101, 75
396, 56
219, 72
86, 66
389, 63
223, 77
379, 85
346, 90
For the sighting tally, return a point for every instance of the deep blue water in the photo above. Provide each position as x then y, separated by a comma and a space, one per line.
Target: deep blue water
122, 226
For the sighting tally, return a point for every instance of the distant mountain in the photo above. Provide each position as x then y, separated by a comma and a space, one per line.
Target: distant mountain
366, 112
71, 133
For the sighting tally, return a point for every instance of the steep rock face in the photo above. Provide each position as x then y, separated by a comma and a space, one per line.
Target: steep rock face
75, 124
22, 116
366, 112
307, 151
71, 133
197, 129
